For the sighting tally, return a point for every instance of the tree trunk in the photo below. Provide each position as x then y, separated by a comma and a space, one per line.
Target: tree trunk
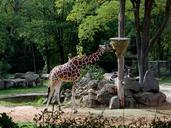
120, 86
121, 33
47, 57
121, 19
34, 57
143, 41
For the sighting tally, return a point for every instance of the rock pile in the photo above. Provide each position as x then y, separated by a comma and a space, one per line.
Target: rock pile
93, 93
27, 79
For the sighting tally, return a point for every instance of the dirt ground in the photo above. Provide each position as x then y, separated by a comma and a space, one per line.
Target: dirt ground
26, 113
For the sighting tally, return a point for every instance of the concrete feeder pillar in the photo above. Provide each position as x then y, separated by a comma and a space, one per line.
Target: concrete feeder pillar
120, 45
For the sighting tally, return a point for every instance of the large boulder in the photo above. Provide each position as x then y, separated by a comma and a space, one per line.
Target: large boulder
90, 99
8, 83
106, 93
84, 80
130, 102
114, 103
150, 84
128, 93
92, 84
30, 76
110, 76
18, 82
45, 76
150, 98
102, 83
131, 84
18, 75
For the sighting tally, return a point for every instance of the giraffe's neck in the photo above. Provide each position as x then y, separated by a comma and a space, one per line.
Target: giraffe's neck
78, 63
92, 57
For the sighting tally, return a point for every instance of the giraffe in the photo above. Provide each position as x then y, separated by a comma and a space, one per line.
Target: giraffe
70, 72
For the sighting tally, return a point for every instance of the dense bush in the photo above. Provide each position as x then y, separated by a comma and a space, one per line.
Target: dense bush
4, 68
95, 71
57, 119
6, 121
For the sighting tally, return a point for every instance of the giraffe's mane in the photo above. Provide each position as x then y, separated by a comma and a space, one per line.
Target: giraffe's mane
77, 57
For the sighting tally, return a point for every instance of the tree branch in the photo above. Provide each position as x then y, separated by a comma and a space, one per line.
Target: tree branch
136, 7
162, 26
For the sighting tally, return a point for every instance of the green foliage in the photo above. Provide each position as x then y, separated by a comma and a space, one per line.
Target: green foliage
95, 71
4, 67
66, 26
6, 121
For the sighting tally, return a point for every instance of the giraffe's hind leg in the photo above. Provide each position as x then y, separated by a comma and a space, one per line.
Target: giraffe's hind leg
57, 95
51, 91
74, 110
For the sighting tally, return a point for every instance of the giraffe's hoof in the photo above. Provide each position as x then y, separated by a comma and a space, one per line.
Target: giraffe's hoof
45, 110
74, 111
62, 112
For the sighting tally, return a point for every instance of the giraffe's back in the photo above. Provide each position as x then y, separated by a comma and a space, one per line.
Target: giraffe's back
67, 72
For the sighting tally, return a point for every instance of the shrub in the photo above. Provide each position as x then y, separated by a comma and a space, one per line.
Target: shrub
57, 119
6, 121
95, 71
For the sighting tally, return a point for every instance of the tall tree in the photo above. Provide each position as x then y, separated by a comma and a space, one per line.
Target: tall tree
143, 39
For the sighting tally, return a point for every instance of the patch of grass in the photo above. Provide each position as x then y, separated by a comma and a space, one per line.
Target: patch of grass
165, 80
37, 102
26, 125
22, 90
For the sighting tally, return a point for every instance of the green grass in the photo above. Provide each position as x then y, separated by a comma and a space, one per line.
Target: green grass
165, 80
37, 102
26, 125
23, 90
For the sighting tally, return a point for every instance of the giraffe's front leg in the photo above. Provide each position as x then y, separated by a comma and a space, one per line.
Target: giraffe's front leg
74, 110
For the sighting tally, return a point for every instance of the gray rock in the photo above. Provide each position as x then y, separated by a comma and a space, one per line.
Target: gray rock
150, 98
8, 83
19, 82
84, 80
92, 84
130, 102
30, 76
109, 76
105, 94
103, 82
90, 101
45, 76
150, 84
1, 84
128, 93
18, 75
131, 84
114, 103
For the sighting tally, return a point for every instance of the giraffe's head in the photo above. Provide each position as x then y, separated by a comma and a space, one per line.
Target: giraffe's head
106, 48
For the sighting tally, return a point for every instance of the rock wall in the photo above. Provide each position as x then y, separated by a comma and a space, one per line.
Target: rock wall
20, 80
